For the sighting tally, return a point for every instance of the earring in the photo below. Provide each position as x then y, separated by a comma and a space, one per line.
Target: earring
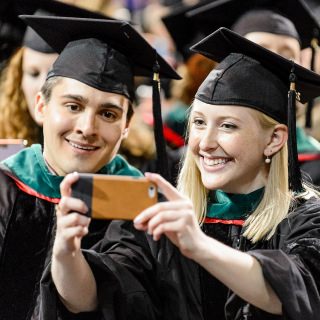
267, 160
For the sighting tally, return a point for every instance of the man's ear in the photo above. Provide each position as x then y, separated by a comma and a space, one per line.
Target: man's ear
125, 133
278, 138
40, 108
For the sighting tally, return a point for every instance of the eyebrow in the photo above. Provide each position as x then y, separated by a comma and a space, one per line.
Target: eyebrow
84, 100
199, 113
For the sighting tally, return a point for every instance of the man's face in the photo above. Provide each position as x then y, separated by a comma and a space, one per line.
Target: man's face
285, 46
83, 127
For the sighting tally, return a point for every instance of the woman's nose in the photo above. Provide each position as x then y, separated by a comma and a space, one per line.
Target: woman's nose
208, 140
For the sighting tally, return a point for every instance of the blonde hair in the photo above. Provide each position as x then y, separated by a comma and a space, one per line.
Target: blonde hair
276, 201
15, 121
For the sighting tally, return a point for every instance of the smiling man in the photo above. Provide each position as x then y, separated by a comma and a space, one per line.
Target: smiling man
85, 107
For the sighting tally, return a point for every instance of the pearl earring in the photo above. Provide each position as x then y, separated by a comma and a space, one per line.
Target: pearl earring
267, 160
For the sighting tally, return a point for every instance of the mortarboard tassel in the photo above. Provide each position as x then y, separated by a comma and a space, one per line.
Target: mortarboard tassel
314, 48
295, 183
162, 159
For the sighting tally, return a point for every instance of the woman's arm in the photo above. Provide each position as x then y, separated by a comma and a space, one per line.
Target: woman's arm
239, 271
71, 273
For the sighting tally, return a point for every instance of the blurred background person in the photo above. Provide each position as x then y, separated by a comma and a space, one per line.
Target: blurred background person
192, 66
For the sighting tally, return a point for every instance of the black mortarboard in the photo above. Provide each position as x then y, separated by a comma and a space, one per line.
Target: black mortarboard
314, 7
11, 29
265, 20
224, 13
252, 76
50, 8
106, 55
183, 31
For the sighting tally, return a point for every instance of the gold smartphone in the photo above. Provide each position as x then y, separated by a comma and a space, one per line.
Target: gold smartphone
115, 197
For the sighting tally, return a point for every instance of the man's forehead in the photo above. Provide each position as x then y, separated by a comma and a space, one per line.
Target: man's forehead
68, 87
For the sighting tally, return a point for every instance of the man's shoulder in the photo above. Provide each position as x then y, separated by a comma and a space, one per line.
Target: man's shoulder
8, 187
6, 175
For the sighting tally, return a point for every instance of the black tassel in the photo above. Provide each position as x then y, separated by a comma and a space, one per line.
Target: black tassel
295, 183
162, 159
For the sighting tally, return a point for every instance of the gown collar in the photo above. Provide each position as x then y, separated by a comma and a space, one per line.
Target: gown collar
30, 169
231, 206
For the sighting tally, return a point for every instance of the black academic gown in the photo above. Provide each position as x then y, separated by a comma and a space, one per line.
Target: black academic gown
27, 225
28, 195
139, 278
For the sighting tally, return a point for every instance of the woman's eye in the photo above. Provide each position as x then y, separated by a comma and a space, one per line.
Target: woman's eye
198, 122
228, 126
33, 74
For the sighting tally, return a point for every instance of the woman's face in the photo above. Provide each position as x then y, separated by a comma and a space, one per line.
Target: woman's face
228, 143
35, 66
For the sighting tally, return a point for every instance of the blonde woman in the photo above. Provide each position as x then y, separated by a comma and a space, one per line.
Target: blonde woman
21, 80
239, 239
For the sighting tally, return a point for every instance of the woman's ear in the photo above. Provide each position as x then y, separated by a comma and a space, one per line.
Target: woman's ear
278, 138
40, 107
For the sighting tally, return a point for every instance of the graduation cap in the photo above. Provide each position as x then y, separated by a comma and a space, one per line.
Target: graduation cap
252, 76
50, 8
106, 55
183, 30
224, 13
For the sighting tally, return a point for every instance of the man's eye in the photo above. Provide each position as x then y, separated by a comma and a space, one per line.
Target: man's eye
73, 107
108, 115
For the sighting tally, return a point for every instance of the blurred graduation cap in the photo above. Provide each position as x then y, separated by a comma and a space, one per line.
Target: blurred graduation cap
260, 79
314, 7
106, 55
11, 29
183, 31
224, 13
50, 8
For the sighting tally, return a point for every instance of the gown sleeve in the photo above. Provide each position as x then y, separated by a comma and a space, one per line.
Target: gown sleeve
292, 267
126, 275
